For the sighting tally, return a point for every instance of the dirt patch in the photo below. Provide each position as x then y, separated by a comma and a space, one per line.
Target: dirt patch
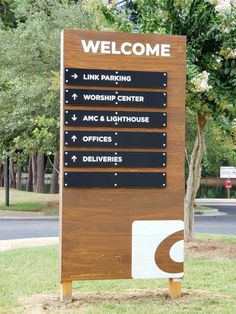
50, 303
210, 249
51, 204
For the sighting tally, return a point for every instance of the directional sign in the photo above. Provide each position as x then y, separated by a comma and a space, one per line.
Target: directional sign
228, 172
116, 118
115, 139
101, 97
92, 77
115, 179
121, 156
111, 158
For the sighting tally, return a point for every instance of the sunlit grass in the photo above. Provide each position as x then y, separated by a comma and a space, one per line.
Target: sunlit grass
30, 201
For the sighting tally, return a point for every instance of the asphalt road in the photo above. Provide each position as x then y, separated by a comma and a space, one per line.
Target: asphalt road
11, 228
217, 224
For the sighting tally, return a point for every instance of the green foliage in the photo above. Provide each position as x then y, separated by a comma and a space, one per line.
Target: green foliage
7, 16
29, 65
211, 38
220, 146
211, 64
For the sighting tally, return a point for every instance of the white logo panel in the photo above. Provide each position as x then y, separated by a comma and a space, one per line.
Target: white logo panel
157, 249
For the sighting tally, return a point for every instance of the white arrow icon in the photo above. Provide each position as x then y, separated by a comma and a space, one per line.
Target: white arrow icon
74, 138
73, 158
74, 96
74, 76
74, 117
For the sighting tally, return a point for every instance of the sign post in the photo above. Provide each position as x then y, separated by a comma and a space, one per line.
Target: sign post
122, 157
228, 186
6, 180
228, 173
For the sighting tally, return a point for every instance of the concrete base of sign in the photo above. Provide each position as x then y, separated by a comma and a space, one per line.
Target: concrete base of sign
174, 288
66, 291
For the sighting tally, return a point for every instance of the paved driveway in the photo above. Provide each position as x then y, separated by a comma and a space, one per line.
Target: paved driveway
19, 228
218, 224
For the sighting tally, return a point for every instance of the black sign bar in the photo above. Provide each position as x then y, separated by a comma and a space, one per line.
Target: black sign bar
99, 97
115, 179
117, 159
91, 77
116, 118
115, 139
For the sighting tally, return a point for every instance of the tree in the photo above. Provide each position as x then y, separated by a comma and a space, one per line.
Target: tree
211, 83
220, 143
7, 15
29, 82
220, 146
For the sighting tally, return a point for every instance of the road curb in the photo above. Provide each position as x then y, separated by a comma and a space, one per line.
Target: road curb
29, 218
216, 201
6, 245
213, 212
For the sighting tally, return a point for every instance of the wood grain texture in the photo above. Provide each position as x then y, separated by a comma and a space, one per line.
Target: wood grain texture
174, 288
162, 255
66, 291
95, 224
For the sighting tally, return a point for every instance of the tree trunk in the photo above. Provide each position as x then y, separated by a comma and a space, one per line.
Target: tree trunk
194, 177
19, 176
40, 173
12, 174
34, 170
29, 185
1, 175
55, 174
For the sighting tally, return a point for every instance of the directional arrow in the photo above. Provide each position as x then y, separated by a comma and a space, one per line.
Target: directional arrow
74, 138
73, 158
74, 96
74, 76
74, 117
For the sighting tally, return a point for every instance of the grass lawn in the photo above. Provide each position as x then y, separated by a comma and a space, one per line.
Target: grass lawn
218, 237
30, 201
29, 282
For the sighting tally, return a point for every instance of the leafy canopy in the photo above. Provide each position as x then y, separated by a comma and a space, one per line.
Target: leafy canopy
29, 65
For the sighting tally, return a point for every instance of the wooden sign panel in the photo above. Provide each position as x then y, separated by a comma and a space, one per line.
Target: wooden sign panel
122, 155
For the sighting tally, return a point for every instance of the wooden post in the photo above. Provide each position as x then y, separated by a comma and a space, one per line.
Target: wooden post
6, 180
174, 288
66, 291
